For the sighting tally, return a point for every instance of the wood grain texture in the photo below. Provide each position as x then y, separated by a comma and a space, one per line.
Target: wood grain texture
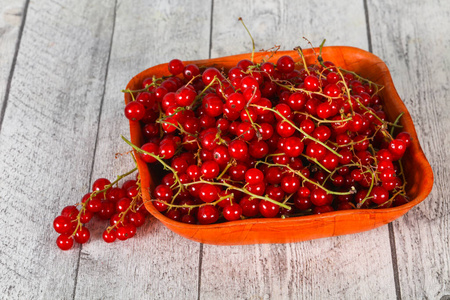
11, 15
156, 264
285, 23
414, 41
339, 267
64, 118
46, 141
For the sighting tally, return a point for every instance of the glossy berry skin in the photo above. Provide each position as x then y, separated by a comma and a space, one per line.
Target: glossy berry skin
320, 197
209, 75
254, 176
232, 212
100, 184
258, 149
207, 214
175, 66
238, 150
163, 192
82, 235
62, 224
70, 211
397, 147
210, 169
379, 195
122, 233
209, 193
312, 83
134, 111
185, 96
64, 242
290, 184
110, 236
150, 148
190, 71
406, 137
285, 64
250, 206
268, 209
293, 146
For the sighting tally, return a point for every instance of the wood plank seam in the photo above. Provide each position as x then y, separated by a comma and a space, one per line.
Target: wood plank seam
13, 64
96, 138
391, 229
394, 261
200, 257
369, 34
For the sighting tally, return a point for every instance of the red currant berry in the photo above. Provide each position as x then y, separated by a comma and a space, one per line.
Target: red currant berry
285, 64
64, 242
175, 66
254, 176
82, 235
134, 111
250, 206
100, 184
207, 214
232, 212
62, 224
210, 169
109, 236
268, 209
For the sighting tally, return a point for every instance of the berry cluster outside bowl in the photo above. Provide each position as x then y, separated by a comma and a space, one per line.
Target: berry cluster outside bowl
417, 170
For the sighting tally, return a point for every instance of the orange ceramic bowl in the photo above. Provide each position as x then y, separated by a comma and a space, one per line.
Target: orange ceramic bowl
257, 231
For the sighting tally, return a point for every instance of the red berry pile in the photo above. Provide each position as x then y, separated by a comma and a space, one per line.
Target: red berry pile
267, 140
258, 140
121, 207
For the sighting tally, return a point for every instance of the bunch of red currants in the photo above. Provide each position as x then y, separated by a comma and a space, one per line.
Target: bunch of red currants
258, 140
121, 206
267, 140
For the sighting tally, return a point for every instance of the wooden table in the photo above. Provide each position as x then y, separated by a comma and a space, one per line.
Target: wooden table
62, 67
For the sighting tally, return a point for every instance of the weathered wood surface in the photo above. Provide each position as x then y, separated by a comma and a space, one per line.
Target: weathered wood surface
157, 264
63, 120
338, 267
11, 16
47, 141
414, 40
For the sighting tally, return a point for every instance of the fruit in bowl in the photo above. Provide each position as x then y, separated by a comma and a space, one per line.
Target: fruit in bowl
275, 147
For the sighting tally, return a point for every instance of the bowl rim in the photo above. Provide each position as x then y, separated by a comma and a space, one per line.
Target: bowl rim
400, 210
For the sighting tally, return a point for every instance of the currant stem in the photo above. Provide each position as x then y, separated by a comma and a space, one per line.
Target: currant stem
322, 121
397, 120
300, 52
132, 207
253, 41
352, 190
299, 129
166, 166
241, 190
95, 193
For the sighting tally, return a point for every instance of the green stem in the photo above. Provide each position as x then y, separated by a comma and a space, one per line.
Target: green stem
352, 191
253, 41
242, 191
166, 166
397, 120
299, 129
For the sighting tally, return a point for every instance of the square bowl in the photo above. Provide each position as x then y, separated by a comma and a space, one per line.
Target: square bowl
417, 170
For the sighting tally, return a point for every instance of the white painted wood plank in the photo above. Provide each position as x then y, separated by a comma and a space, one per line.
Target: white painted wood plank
285, 23
11, 15
46, 147
413, 38
156, 264
354, 267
